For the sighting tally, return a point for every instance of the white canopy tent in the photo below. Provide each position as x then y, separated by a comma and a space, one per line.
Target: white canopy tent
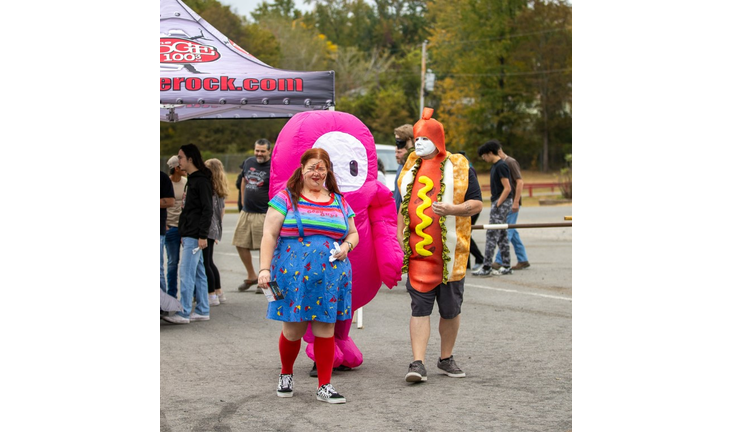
205, 75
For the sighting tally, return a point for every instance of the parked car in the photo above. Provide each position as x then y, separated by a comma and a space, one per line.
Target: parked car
387, 154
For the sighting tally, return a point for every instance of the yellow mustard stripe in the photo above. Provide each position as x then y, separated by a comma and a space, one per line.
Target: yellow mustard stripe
426, 220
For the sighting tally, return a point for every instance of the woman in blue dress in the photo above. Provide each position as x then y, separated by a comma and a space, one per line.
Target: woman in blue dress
302, 227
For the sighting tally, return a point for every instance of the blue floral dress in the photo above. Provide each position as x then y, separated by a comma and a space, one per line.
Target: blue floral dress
315, 289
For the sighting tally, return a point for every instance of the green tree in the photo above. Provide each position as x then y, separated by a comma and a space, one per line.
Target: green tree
503, 69
476, 50
401, 25
546, 55
391, 113
359, 72
332, 18
301, 45
284, 9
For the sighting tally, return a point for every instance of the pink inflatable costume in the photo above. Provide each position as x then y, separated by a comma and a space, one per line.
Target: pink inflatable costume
378, 257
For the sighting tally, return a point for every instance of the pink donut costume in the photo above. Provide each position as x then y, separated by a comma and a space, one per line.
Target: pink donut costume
378, 257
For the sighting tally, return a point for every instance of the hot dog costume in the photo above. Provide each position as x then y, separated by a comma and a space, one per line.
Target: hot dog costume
378, 257
437, 248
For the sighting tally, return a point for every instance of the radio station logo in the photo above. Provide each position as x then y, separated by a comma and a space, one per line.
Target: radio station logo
176, 51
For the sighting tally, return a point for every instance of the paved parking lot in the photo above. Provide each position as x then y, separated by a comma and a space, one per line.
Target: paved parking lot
514, 345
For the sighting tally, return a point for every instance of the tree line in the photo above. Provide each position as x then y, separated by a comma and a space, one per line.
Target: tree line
502, 68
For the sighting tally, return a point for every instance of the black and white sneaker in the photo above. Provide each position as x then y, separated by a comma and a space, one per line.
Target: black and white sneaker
505, 270
327, 393
417, 372
484, 271
284, 388
449, 367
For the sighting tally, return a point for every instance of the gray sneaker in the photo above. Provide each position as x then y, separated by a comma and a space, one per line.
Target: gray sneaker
449, 367
176, 319
416, 372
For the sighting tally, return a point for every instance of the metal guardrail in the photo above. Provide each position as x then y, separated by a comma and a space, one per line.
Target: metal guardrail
530, 187
515, 226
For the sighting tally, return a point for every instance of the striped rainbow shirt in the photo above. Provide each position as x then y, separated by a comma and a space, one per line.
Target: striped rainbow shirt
317, 218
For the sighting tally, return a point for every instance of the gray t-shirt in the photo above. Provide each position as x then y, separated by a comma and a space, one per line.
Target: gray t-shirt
216, 230
515, 169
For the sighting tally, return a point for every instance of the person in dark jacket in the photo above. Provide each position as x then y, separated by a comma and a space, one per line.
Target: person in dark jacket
239, 204
193, 226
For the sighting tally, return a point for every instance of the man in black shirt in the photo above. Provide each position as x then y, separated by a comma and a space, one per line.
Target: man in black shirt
254, 197
501, 202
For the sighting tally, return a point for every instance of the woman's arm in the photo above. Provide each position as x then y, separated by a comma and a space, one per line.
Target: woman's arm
272, 225
351, 237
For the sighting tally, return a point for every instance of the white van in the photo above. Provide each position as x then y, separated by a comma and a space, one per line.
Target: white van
387, 154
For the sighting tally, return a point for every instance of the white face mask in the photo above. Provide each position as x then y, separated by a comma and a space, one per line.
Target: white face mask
423, 146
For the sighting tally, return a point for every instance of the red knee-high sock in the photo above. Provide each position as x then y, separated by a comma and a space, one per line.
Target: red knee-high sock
324, 351
288, 353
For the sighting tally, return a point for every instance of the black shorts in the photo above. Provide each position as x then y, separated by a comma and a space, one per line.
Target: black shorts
449, 299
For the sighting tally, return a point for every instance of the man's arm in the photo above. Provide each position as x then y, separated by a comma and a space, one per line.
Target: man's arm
506, 190
517, 195
515, 170
238, 179
472, 205
167, 193
466, 209
242, 186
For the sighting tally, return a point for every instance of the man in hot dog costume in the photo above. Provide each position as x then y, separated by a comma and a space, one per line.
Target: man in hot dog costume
439, 194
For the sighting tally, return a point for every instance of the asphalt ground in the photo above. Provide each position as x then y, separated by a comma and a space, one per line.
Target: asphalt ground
515, 345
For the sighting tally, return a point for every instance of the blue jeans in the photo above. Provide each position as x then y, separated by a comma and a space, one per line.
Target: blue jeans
162, 272
515, 239
192, 279
172, 247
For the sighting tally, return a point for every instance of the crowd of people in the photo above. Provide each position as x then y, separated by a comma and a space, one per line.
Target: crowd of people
307, 230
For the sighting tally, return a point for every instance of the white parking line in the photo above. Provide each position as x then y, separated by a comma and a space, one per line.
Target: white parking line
519, 292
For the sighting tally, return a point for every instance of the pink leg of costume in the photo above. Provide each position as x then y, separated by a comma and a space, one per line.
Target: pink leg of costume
346, 352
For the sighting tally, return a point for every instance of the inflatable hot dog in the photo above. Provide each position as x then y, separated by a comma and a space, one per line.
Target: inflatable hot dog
436, 247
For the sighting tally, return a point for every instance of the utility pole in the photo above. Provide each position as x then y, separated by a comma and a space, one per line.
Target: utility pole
424, 69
